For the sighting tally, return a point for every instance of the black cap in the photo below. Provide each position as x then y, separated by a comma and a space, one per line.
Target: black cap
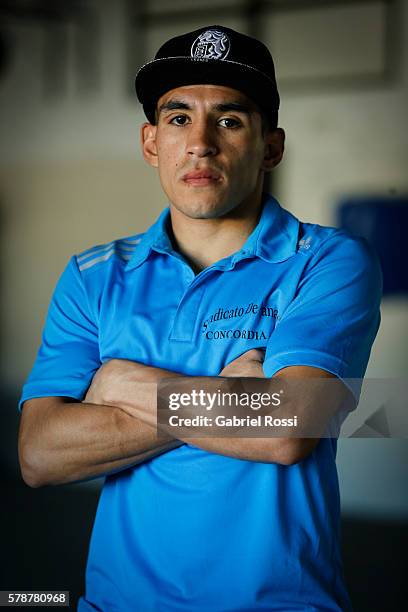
213, 55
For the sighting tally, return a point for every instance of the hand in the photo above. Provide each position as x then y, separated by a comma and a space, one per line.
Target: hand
247, 364
112, 379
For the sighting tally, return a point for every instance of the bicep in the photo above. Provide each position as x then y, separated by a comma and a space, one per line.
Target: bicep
315, 395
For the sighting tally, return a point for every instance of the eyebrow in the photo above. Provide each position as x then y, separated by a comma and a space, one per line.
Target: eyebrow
174, 105
237, 107
223, 107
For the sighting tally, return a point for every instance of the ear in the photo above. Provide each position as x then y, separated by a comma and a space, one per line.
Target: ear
148, 142
274, 148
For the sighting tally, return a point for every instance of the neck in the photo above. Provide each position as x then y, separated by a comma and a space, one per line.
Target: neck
204, 241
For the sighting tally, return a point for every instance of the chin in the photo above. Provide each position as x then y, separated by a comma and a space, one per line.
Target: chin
204, 210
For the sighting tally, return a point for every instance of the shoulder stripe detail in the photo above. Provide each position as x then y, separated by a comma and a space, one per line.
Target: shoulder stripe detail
133, 241
94, 251
120, 244
104, 249
105, 257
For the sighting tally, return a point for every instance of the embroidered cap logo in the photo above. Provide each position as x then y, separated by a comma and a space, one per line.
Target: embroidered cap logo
212, 44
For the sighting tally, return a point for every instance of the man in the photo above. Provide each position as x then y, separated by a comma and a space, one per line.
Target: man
214, 523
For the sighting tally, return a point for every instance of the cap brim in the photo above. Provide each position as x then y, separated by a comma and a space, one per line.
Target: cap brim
159, 76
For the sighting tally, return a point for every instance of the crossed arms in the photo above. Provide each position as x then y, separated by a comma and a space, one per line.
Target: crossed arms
62, 440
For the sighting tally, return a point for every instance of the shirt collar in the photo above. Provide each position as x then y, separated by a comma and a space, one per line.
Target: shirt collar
156, 238
274, 239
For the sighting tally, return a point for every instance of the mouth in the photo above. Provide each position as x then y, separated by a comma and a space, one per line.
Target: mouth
201, 178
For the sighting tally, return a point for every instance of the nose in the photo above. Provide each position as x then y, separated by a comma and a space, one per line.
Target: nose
201, 140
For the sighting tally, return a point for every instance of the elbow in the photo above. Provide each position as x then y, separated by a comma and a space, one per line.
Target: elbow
31, 467
36, 450
31, 479
294, 450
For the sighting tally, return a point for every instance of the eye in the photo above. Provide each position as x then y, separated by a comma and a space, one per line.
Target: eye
229, 122
179, 120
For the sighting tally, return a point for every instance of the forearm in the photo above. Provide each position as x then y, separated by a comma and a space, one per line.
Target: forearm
312, 402
74, 441
314, 395
281, 450
133, 387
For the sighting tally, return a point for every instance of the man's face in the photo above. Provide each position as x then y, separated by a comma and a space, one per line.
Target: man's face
209, 148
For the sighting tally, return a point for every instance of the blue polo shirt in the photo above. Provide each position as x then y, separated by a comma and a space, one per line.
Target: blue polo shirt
192, 530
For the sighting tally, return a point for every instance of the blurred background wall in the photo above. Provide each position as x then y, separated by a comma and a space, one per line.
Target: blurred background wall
71, 173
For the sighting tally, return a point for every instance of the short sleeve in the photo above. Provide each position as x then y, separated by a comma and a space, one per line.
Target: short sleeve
69, 353
333, 320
